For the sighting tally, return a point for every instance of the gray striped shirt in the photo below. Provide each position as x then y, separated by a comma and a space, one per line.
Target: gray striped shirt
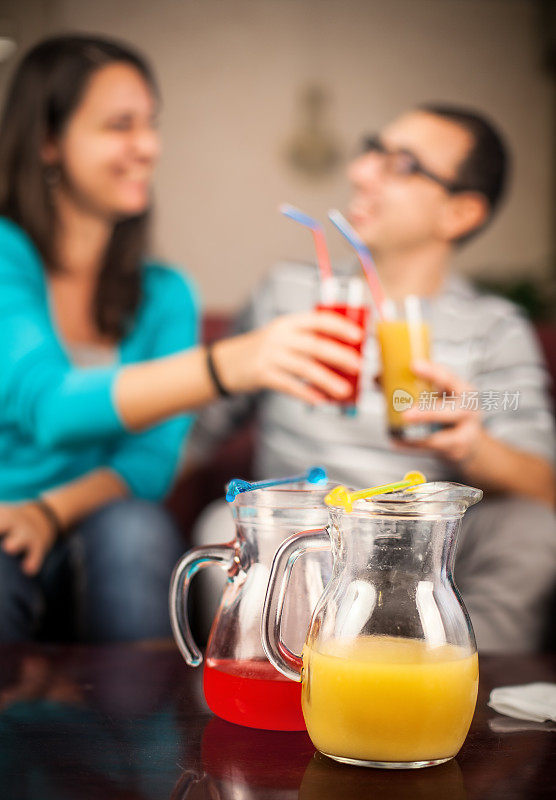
483, 339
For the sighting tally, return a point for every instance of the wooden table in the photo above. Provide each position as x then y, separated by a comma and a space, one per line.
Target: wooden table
130, 722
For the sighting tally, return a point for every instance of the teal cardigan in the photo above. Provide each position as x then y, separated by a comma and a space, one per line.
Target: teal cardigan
58, 421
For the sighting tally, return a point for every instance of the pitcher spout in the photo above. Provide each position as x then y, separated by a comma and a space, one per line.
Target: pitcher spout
437, 497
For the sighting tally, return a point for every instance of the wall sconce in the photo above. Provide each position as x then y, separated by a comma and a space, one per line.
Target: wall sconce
312, 149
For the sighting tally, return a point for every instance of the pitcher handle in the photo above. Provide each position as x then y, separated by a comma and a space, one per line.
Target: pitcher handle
227, 556
278, 653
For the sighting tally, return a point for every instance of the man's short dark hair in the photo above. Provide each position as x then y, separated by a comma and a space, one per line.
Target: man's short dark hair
485, 168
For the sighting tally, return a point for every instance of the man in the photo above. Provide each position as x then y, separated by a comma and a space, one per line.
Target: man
429, 182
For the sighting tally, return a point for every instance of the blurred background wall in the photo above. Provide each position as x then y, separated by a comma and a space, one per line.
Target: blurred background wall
234, 76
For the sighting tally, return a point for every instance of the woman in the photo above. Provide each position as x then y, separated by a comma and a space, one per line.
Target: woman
99, 363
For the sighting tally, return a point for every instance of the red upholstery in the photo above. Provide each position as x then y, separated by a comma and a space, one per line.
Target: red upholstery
546, 332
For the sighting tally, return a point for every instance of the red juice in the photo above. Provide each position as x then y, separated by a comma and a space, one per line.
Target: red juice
359, 315
254, 694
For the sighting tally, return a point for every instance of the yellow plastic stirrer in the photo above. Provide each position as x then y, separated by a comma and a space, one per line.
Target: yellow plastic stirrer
339, 496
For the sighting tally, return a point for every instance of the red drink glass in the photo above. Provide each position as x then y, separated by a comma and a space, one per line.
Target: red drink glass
345, 295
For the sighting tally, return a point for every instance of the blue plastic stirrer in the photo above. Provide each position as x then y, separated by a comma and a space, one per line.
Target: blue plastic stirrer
314, 475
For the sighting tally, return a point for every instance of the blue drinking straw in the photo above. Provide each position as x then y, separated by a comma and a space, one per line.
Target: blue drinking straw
299, 216
365, 258
314, 475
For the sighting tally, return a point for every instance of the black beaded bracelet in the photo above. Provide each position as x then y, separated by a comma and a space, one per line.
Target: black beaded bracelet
51, 515
218, 385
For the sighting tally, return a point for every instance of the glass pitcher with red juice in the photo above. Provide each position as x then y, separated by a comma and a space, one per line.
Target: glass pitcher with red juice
240, 683
346, 295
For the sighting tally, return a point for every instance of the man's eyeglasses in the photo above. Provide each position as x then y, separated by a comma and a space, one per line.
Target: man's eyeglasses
403, 162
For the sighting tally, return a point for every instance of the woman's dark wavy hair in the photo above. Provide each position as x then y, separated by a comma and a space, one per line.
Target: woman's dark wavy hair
45, 90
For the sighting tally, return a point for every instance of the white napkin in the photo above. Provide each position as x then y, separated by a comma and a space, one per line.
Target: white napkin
533, 701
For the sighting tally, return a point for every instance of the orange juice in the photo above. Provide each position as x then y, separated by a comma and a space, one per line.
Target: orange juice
388, 699
401, 342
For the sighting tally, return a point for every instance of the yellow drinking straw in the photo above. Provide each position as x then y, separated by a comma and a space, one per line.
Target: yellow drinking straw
339, 496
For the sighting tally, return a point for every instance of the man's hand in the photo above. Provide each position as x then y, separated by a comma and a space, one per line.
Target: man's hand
25, 530
483, 460
461, 438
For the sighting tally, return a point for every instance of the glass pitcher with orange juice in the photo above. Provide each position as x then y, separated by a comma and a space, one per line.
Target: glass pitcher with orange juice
389, 668
240, 684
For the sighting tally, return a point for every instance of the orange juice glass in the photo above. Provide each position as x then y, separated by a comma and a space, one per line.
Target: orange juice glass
403, 337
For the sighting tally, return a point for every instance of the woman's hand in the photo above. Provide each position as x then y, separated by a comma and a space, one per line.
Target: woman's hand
26, 531
293, 354
461, 437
